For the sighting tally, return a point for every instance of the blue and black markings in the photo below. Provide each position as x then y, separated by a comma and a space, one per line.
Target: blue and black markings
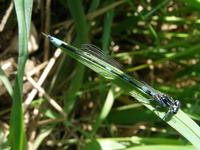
88, 53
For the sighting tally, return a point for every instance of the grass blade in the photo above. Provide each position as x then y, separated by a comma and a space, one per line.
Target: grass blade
108, 20
109, 101
105, 110
77, 11
6, 82
17, 136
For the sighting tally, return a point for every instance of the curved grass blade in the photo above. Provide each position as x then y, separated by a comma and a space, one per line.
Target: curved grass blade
180, 121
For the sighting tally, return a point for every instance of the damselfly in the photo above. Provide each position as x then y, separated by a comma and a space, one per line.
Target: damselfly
91, 55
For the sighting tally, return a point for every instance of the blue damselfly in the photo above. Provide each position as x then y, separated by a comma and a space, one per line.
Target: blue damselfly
91, 55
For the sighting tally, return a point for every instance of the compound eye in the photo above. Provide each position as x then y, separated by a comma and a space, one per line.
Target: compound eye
176, 106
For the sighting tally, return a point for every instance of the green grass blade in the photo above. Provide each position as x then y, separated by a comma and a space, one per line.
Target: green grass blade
6, 82
105, 110
192, 3
150, 27
108, 101
159, 6
132, 143
108, 20
135, 142
94, 5
163, 147
17, 136
28, 4
77, 12
42, 135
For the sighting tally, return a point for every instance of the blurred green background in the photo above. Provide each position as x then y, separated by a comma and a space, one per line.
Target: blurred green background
156, 42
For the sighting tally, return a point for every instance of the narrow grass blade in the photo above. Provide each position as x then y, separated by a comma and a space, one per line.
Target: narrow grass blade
108, 20
42, 135
192, 3
94, 5
77, 11
105, 110
6, 82
17, 136
106, 37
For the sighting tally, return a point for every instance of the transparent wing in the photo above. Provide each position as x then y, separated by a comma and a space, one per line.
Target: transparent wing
94, 50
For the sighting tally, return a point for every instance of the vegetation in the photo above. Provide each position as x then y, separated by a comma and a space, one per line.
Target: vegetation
56, 102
